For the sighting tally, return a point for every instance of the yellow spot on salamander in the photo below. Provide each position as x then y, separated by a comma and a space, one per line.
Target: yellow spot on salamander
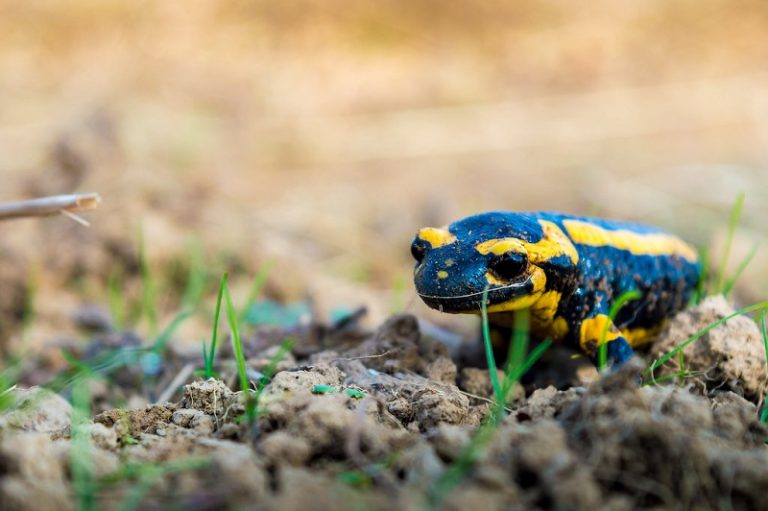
553, 243
559, 328
499, 246
442, 274
639, 336
437, 237
591, 332
585, 233
493, 280
543, 316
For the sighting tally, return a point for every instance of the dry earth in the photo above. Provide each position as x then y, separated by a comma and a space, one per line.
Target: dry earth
389, 419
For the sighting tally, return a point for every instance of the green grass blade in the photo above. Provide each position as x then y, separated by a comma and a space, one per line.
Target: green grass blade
516, 355
702, 285
81, 449
621, 301
150, 474
237, 345
148, 290
162, 340
458, 470
764, 331
206, 363
519, 340
75, 362
497, 391
742, 266
256, 287
195, 286
399, 288
658, 363
116, 298
533, 356
215, 334
9, 376
738, 205
28, 312
271, 369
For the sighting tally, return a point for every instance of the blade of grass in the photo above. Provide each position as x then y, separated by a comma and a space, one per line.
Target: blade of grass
764, 331
516, 355
398, 294
116, 298
673, 376
256, 287
250, 409
736, 209
271, 369
206, 362
148, 474
497, 391
658, 363
162, 340
458, 470
9, 376
195, 287
28, 312
80, 451
209, 360
75, 362
702, 285
616, 306
739, 270
148, 290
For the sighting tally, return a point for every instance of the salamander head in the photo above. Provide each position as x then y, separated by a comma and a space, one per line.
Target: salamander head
509, 254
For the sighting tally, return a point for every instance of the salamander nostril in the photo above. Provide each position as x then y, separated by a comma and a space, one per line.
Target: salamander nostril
509, 266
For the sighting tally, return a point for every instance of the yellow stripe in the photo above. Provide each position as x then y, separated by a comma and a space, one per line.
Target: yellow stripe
585, 233
552, 244
639, 336
543, 321
538, 279
437, 237
591, 332
592, 329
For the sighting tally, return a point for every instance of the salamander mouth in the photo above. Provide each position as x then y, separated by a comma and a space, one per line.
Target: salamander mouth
472, 302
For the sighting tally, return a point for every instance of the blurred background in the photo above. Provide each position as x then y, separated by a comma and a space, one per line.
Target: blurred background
318, 136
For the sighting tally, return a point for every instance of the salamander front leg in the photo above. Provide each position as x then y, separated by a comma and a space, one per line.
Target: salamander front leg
600, 328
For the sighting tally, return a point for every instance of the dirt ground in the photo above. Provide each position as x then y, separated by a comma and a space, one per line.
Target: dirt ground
389, 419
302, 144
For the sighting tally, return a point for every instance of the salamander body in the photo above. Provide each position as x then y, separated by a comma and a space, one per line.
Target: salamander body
567, 270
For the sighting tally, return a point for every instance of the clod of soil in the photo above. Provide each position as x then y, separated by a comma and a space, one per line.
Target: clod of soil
36, 409
728, 357
134, 422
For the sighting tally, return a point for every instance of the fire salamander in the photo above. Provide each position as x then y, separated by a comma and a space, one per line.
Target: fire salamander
566, 270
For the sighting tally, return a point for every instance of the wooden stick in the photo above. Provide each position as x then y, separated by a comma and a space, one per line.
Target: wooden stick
49, 205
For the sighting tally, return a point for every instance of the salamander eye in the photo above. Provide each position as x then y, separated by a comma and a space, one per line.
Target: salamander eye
509, 266
418, 250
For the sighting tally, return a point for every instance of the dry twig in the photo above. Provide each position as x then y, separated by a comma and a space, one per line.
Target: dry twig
66, 204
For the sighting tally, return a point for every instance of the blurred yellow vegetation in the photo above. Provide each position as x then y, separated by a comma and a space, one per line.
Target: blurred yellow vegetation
325, 133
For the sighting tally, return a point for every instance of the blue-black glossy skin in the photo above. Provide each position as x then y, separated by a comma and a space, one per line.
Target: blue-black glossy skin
665, 281
462, 291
